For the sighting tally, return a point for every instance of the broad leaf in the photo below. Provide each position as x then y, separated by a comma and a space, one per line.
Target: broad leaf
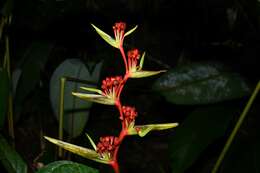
7, 8
243, 156
15, 79
201, 83
244, 152
199, 129
10, 159
34, 61
76, 111
4, 90
67, 167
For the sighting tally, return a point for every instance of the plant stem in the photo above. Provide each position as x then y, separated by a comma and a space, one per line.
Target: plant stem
124, 58
61, 111
236, 128
7, 66
115, 166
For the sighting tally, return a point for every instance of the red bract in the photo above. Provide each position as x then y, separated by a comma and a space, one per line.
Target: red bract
129, 114
107, 145
111, 85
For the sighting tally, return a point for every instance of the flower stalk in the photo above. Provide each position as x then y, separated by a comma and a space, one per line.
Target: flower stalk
106, 151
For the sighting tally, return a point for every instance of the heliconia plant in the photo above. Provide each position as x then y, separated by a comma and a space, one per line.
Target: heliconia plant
106, 150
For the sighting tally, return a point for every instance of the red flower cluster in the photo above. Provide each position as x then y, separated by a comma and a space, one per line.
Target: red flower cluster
107, 144
133, 56
119, 26
129, 113
111, 85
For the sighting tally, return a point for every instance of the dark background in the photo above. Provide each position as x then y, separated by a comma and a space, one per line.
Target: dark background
172, 32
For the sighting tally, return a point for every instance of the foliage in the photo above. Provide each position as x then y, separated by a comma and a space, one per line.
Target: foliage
76, 111
10, 158
66, 167
4, 88
219, 39
200, 129
201, 83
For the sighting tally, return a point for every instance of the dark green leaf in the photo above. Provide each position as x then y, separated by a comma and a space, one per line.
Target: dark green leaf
199, 129
7, 8
4, 90
244, 153
66, 167
201, 83
15, 79
11, 160
244, 156
34, 61
75, 110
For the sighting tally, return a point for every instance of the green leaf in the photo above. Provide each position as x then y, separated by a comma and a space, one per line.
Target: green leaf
34, 60
142, 130
244, 152
7, 8
91, 142
16, 75
201, 83
130, 31
4, 92
141, 73
67, 167
95, 98
201, 128
76, 111
243, 156
141, 62
92, 90
106, 37
81, 151
10, 159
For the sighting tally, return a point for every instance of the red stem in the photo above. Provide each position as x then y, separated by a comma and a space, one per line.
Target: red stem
119, 107
114, 163
115, 166
124, 58
118, 104
124, 81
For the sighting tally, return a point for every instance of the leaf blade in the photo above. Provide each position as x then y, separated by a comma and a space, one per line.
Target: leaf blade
201, 128
4, 92
201, 83
76, 111
11, 160
106, 37
66, 167
142, 130
141, 73
131, 30
81, 151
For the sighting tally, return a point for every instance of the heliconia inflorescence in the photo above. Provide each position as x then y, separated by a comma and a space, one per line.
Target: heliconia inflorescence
107, 148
